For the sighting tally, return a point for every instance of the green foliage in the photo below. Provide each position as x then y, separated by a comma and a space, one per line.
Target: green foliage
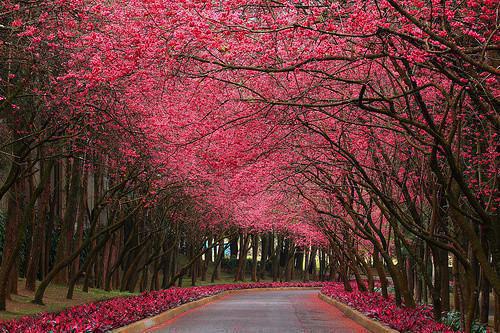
389, 289
231, 264
452, 319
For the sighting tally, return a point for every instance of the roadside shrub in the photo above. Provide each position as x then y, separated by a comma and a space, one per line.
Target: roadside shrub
452, 319
375, 306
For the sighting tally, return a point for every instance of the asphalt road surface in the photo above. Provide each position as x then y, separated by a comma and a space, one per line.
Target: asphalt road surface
263, 312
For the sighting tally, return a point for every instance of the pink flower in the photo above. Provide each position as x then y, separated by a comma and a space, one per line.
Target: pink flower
16, 23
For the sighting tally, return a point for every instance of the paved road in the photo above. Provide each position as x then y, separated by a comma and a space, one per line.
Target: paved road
263, 312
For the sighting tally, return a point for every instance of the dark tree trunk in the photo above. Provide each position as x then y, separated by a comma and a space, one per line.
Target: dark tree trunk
86, 265
306, 266
242, 261
381, 274
233, 248
484, 307
10, 247
496, 319
255, 250
312, 263
18, 218
299, 261
67, 224
37, 239
264, 256
217, 264
276, 259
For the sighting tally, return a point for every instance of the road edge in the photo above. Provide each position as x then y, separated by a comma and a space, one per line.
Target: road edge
146, 323
368, 323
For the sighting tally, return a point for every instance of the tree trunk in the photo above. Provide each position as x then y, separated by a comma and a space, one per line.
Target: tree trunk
178, 275
14, 231
264, 256
194, 266
242, 261
67, 223
86, 265
233, 248
276, 259
217, 264
381, 273
38, 235
255, 249
312, 263
496, 319
299, 261
484, 307
66, 261
10, 247
306, 266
